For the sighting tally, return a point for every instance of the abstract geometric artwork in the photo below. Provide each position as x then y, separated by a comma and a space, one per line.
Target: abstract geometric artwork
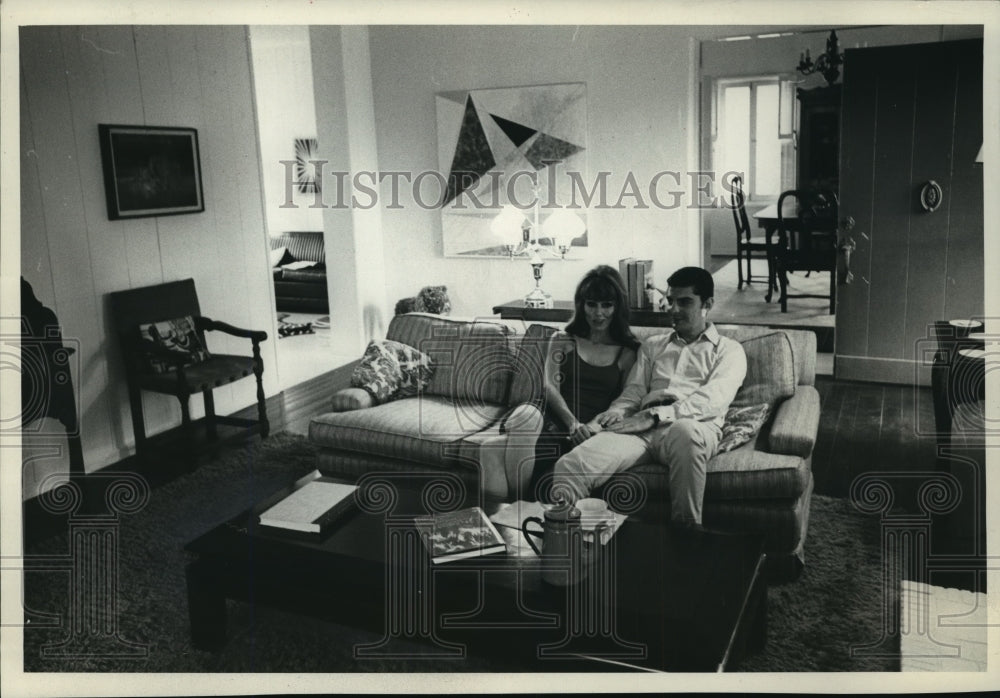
305, 172
514, 145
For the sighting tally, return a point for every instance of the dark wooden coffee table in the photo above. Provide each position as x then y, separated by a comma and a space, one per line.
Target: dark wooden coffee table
662, 598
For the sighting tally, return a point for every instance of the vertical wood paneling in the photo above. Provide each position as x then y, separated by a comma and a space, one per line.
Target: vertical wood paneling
253, 229
123, 86
923, 266
75, 78
857, 149
107, 259
893, 197
935, 104
224, 246
69, 248
34, 239
965, 282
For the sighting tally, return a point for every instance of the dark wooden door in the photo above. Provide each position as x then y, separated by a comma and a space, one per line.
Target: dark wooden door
910, 114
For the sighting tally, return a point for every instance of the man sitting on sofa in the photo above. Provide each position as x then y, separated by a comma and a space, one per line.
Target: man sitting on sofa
672, 408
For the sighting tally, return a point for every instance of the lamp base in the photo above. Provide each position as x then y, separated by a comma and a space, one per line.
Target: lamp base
538, 299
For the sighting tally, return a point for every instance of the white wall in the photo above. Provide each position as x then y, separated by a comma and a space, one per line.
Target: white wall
356, 269
641, 97
283, 86
780, 55
73, 78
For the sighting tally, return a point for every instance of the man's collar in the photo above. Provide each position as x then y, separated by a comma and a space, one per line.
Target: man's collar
710, 333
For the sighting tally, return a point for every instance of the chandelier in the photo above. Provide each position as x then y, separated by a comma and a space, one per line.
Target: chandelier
827, 65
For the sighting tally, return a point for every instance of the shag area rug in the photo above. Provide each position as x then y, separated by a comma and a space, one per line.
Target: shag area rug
813, 623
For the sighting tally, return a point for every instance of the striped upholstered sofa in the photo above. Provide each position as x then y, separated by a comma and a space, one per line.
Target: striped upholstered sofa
485, 369
302, 290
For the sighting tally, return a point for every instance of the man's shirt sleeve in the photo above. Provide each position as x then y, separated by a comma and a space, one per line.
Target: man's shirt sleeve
713, 398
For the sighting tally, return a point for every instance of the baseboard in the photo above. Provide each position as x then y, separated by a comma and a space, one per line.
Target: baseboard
877, 370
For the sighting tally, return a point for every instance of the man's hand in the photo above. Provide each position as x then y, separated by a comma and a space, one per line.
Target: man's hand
608, 419
580, 433
636, 424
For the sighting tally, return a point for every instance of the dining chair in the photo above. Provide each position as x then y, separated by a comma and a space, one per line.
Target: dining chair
747, 244
161, 333
807, 241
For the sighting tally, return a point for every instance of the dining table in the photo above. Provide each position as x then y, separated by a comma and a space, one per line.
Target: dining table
798, 230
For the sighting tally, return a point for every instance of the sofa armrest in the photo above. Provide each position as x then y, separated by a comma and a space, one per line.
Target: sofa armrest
350, 399
796, 423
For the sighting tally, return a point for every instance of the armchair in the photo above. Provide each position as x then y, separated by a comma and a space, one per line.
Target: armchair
161, 332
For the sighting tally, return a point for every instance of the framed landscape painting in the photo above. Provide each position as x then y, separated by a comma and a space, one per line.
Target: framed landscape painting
150, 171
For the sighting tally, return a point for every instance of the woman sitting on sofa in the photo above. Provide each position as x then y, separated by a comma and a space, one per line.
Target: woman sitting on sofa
585, 369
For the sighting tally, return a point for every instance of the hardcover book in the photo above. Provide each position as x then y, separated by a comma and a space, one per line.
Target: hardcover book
459, 534
309, 505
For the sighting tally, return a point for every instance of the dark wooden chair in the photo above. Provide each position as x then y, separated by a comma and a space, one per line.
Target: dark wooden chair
163, 302
747, 244
806, 241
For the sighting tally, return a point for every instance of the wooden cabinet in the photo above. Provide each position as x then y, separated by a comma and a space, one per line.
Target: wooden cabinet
819, 138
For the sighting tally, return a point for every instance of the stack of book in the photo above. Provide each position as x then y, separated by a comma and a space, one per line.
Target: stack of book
635, 273
310, 505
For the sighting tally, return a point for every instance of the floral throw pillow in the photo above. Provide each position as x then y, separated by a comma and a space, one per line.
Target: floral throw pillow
742, 423
177, 336
391, 370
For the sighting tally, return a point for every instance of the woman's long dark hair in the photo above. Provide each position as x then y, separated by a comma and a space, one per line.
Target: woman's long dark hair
603, 283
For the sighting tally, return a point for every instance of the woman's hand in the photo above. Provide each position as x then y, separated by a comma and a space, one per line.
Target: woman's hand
579, 433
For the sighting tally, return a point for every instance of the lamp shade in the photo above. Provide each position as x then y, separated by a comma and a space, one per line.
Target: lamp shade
507, 224
563, 224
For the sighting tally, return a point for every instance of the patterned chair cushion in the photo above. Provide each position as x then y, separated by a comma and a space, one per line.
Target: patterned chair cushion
390, 370
178, 336
741, 425
770, 371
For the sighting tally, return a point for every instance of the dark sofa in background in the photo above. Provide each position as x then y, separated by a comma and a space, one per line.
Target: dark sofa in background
302, 290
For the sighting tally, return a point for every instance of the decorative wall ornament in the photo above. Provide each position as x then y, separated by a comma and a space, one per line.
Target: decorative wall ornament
931, 196
150, 170
306, 149
514, 145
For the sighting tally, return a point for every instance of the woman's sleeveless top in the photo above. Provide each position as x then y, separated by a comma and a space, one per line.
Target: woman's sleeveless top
588, 389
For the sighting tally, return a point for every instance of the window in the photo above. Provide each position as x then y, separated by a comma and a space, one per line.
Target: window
753, 133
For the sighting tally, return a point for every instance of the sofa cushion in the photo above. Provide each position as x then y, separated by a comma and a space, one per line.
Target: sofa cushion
770, 374
305, 244
742, 423
422, 430
472, 359
529, 365
744, 473
390, 370
803, 346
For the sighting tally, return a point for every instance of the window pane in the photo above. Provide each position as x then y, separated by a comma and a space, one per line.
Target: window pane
734, 136
768, 156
